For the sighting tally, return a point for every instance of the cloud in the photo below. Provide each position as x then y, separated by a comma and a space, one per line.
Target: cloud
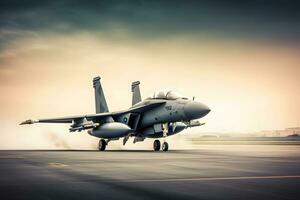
151, 19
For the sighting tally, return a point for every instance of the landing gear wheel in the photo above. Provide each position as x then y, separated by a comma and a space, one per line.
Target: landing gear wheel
156, 145
102, 145
165, 146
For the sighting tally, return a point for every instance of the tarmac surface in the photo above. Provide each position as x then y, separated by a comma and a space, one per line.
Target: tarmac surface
209, 172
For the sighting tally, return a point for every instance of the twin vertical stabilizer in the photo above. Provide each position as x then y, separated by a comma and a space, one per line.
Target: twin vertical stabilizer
136, 94
100, 101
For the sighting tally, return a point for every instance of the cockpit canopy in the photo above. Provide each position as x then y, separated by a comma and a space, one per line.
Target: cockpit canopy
166, 94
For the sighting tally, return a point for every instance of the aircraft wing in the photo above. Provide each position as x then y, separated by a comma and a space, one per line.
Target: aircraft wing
95, 117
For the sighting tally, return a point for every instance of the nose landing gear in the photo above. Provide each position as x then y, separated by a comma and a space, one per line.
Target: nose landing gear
165, 145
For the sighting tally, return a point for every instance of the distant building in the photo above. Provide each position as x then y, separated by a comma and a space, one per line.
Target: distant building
280, 133
293, 130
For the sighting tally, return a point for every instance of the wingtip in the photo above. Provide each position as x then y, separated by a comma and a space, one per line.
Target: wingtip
28, 121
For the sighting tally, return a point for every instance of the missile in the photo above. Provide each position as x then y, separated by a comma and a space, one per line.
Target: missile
86, 125
194, 123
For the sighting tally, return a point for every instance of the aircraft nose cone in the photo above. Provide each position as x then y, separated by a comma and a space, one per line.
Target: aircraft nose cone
195, 110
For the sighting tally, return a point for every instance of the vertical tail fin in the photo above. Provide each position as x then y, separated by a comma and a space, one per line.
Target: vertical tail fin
136, 94
100, 101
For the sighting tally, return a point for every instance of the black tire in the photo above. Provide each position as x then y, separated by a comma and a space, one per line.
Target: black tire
156, 145
165, 146
102, 145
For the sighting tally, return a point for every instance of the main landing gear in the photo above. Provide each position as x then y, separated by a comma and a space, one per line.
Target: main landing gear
156, 146
165, 146
102, 145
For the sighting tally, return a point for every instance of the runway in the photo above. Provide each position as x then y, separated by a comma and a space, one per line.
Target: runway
208, 172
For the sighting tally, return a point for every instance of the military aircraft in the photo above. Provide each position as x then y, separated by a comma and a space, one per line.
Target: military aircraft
163, 114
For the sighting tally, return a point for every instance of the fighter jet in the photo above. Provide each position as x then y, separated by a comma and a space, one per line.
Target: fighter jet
163, 114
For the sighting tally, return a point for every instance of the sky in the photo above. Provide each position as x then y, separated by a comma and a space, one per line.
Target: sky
241, 58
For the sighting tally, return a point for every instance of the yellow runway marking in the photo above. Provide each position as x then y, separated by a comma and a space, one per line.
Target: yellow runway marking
216, 178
